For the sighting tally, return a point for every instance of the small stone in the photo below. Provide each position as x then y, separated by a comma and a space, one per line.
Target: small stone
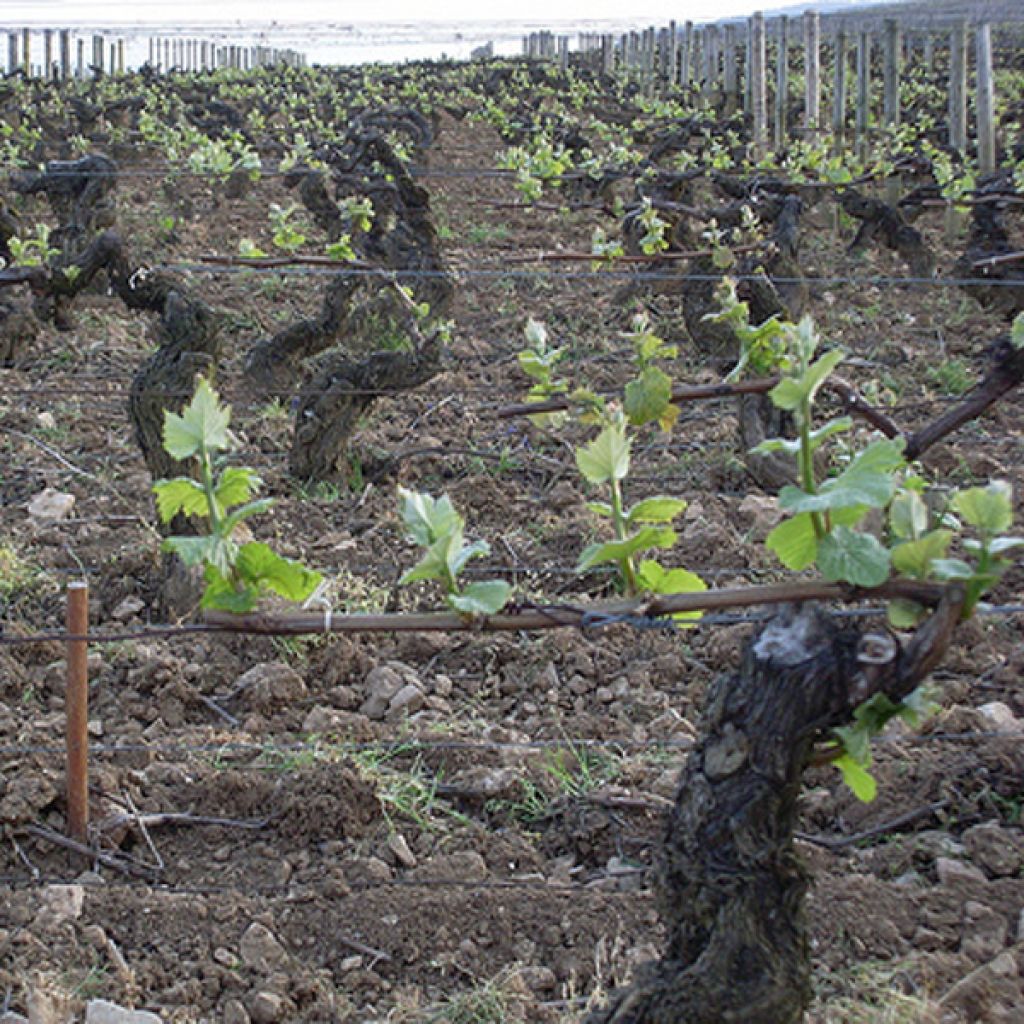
266, 1007
408, 700
268, 685
1000, 717
235, 1012
994, 848
538, 979
350, 963
225, 958
259, 948
95, 936
94, 727
50, 506
46, 421
956, 872
64, 901
466, 865
100, 1011
383, 683
127, 609
400, 848
323, 720
759, 514
443, 686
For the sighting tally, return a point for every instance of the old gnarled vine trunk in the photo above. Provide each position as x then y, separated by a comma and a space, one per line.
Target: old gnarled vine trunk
731, 886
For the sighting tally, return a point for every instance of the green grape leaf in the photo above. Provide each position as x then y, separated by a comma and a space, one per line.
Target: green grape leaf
914, 558
433, 564
860, 781
647, 397
221, 593
614, 551
601, 508
236, 484
867, 480
952, 569
791, 392
1000, 544
180, 495
653, 577
1017, 332
261, 567
988, 509
459, 554
203, 424
192, 550
904, 614
607, 456
853, 557
426, 519
794, 542
908, 515
482, 598
660, 509
536, 334
817, 438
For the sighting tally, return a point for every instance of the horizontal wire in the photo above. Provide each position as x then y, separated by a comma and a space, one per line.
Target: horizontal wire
401, 747
489, 273
293, 891
598, 620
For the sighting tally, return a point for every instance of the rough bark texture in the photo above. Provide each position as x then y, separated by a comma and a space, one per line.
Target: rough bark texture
335, 399
731, 886
885, 224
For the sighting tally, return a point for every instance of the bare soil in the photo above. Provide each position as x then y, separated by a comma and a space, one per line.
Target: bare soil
495, 843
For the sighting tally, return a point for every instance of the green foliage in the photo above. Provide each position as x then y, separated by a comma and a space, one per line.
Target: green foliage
435, 525
605, 461
538, 362
34, 250
236, 574
286, 235
1017, 332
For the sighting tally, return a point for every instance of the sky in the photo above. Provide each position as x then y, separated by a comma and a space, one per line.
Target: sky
58, 13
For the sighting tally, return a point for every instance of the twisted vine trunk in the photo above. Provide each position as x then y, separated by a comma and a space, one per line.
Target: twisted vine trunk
731, 886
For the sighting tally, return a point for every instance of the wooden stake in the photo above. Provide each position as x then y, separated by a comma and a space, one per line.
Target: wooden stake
77, 711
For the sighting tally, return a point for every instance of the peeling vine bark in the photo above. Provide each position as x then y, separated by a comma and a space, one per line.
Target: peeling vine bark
730, 883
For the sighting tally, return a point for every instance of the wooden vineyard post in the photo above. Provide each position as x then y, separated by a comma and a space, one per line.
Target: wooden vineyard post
77, 711
782, 84
891, 95
757, 84
48, 53
812, 67
729, 79
985, 109
80, 59
26, 52
958, 87
839, 94
65, 54
12, 51
863, 92
686, 57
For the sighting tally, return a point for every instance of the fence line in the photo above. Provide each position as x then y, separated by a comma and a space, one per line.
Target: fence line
411, 745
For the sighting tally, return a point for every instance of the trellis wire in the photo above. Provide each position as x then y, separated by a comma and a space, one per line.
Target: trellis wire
598, 620
410, 745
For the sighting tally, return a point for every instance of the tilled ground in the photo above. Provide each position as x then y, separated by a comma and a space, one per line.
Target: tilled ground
340, 855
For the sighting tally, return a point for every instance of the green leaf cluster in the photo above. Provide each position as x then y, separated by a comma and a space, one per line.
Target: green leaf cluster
869, 719
538, 362
436, 526
236, 573
645, 525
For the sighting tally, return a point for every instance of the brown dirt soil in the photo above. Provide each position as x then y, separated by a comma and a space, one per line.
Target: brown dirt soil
497, 841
